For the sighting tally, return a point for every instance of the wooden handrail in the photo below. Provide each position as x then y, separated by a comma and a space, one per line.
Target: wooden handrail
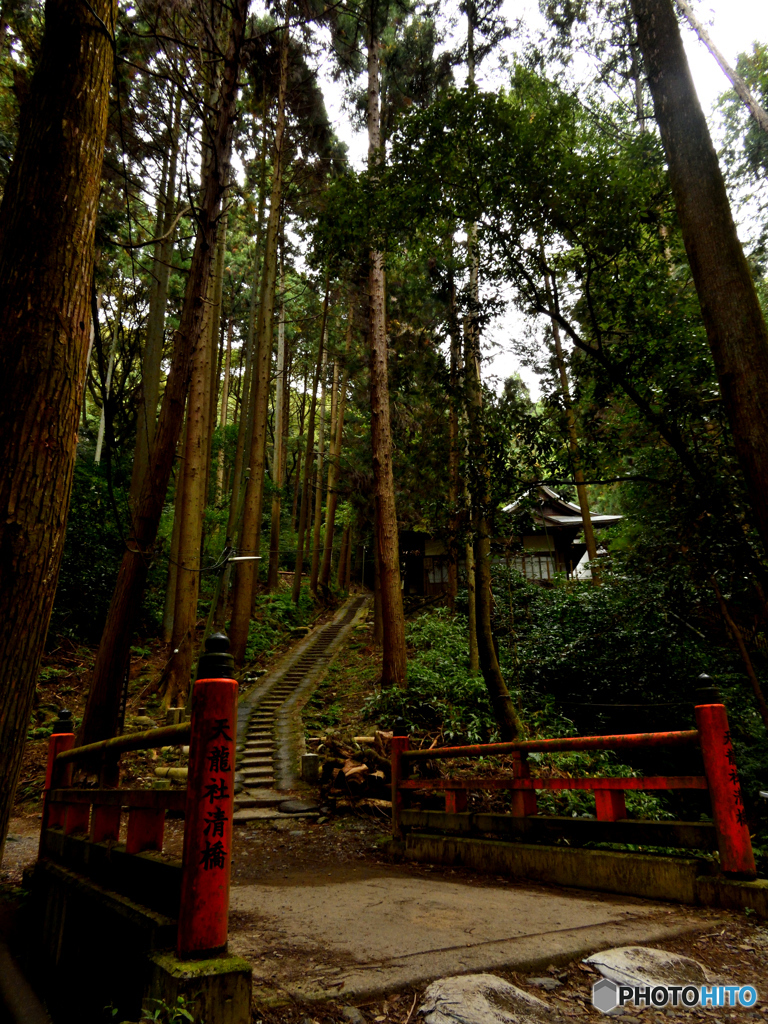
155, 799
167, 736
620, 742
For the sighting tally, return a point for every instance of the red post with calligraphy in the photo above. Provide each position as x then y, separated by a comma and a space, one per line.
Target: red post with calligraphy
210, 803
734, 843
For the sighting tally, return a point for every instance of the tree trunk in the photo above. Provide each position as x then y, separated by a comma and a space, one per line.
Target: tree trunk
504, 710
223, 417
173, 557
343, 552
193, 482
297, 471
573, 440
736, 329
333, 469
740, 87
470, 570
278, 460
351, 541
214, 360
378, 620
453, 450
158, 299
107, 384
101, 713
245, 426
738, 637
394, 663
47, 224
315, 566
250, 538
305, 497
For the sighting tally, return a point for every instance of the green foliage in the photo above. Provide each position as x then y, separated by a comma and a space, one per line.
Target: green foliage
274, 616
92, 553
442, 693
593, 649
165, 1013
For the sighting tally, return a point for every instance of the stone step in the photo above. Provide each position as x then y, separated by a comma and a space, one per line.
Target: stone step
266, 814
261, 771
267, 783
255, 762
261, 798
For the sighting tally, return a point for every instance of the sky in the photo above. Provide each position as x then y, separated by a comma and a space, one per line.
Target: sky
733, 26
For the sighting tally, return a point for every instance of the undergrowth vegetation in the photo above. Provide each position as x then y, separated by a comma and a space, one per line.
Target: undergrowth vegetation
274, 616
583, 660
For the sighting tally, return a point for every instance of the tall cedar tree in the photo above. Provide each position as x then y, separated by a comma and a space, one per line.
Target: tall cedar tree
47, 224
736, 329
101, 713
250, 538
394, 663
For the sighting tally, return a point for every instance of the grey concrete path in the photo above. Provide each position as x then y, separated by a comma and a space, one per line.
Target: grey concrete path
382, 930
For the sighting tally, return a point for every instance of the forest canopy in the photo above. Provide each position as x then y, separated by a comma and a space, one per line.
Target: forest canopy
277, 365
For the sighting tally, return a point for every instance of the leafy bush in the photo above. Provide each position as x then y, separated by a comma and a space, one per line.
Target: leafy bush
274, 616
442, 693
92, 552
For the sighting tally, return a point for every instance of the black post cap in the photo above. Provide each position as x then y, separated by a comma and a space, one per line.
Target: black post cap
399, 727
216, 662
64, 722
706, 691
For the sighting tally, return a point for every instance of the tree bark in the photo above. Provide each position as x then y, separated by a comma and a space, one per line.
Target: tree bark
214, 360
250, 538
278, 460
503, 707
193, 482
738, 637
297, 478
319, 458
342, 567
158, 299
47, 224
223, 416
107, 382
101, 713
305, 493
394, 661
740, 87
573, 440
736, 329
333, 468
173, 556
453, 450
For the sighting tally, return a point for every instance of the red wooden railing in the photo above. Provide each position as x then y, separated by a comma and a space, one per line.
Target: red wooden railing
720, 779
207, 803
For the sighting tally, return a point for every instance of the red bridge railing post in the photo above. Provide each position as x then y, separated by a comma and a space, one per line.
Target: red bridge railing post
62, 738
399, 744
206, 861
734, 843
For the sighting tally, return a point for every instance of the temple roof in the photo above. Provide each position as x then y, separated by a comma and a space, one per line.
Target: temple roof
556, 511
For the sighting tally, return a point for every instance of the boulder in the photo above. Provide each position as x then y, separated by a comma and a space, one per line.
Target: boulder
640, 965
482, 999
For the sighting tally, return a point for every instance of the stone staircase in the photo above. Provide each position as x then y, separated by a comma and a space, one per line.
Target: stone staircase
265, 738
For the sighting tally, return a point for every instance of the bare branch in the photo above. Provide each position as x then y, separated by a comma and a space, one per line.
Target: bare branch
740, 86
